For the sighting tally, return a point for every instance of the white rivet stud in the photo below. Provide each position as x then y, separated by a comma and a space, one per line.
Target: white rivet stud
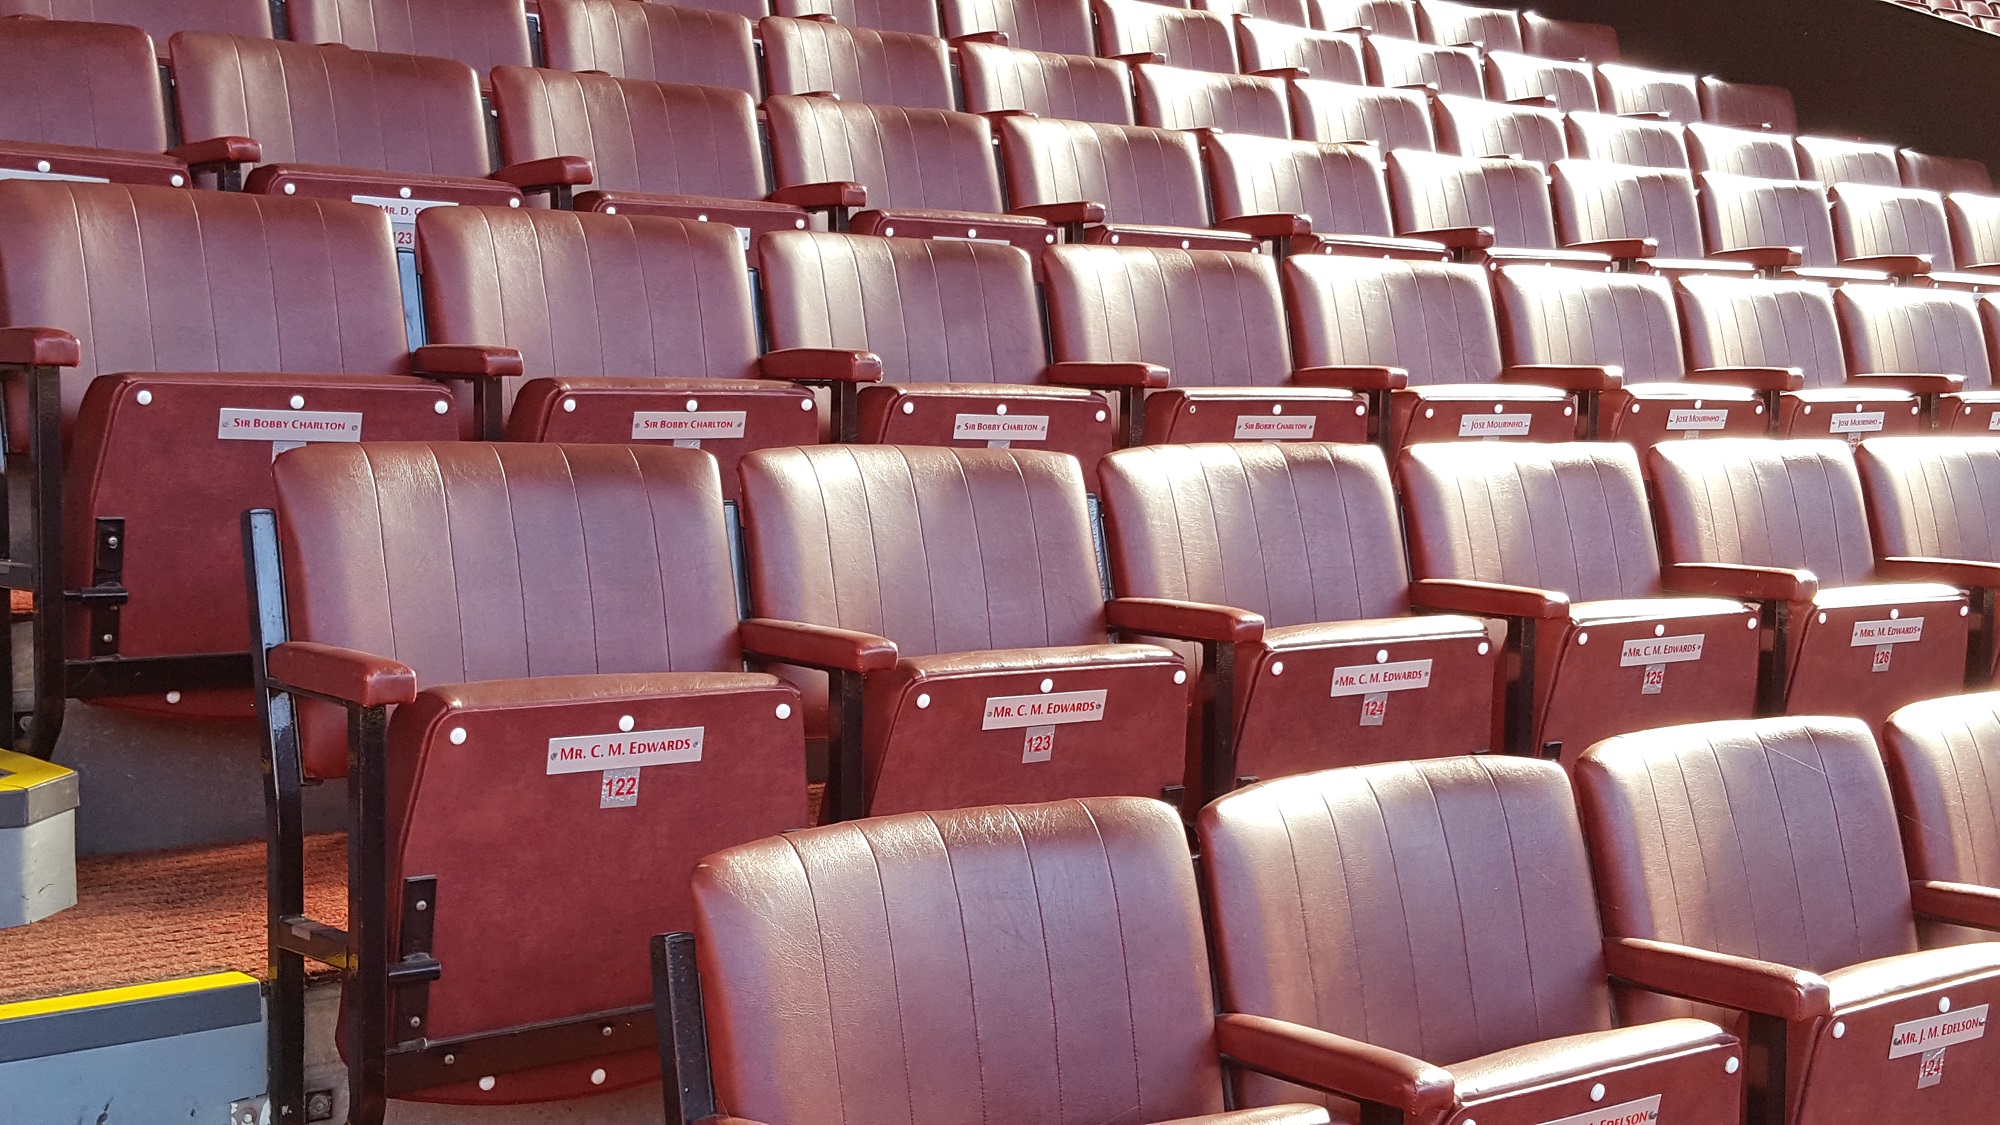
923, 701
1100, 415
1964, 611
298, 402
1484, 648
486, 1083
972, 232
1568, 410
888, 232
784, 710
181, 181
1659, 630
1499, 408
513, 203
1583, 638
692, 405
909, 408
1760, 408
451, 1060
1753, 622
569, 406
1857, 407
41, 165
1894, 614
1635, 408
404, 192
1806, 410
173, 697
1822, 618
423, 905
1048, 685
1000, 409
1429, 413
1360, 409
1381, 656
798, 224
624, 722
805, 404
458, 736
1913, 409
1597, 1092
614, 211
1277, 408
1697, 404
1049, 239
1180, 675
1731, 1065
1944, 1004
1184, 243
597, 1077
145, 398
291, 189
1839, 1030
1277, 667
442, 406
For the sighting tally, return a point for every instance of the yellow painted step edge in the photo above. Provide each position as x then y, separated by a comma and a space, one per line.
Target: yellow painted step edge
126, 995
19, 771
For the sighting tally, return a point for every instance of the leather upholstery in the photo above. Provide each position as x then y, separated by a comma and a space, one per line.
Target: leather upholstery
880, 15
1452, 24
1170, 97
651, 41
1748, 106
1936, 331
1435, 191
908, 159
1831, 160
1477, 127
1396, 18
1403, 62
84, 99
1196, 40
1325, 891
1739, 211
858, 64
1568, 39
1623, 88
1335, 113
1627, 140
1297, 13
1331, 56
1143, 177
1059, 27
1064, 86
1597, 201
1941, 755
1741, 152
1975, 228
1550, 315
533, 604
1869, 220
1570, 85
157, 18
482, 34
1338, 187
1090, 994
1944, 173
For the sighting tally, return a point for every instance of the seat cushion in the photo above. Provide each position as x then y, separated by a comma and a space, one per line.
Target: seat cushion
1681, 1064
1269, 1115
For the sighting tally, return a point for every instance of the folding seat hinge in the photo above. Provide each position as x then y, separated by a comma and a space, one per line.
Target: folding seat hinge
106, 592
415, 968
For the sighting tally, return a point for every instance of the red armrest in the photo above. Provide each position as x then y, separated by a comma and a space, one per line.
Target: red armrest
219, 150
1969, 573
1352, 377
39, 347
821, 365
1646, 114
1277, 224
1736, 580
816, 197
1081, 373
1456, 238
1075, 211
1917, 383
1719, 978
547, 172
1902, 265
1536, 101
1762, 257
1623, 249
1187, 621
1488, 599
1138, 57
1964, 904
817, 646
1282, 73
1567, 376
997, 38
1337, 1064
461, 361
342, 673
1751, 378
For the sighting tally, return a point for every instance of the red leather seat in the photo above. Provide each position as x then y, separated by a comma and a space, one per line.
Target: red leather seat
1408, 64
1171, 97
1111, 183
1787, 521
1558, 539
482, 34
1741, 152
1101, 915
954, 595
1756, 322
955, 331
1832, 160
1645, 218
1297, 13
514, 603
1564, 85
1132, 29
1397, 18
887, 170
1667, 95
179, 393
1071, 87
83, 101
1943, 173
1305, 197
1332, 56
911, 17
1929, 332
1782, 225
629, 329
1436, 918
1284, 564
1060, 27
1929, 510
157, 18
654, 42
1214, 321
1432, 322
1451, 24
1477, 127
1748, 106
856, 64
1902, 231
1788, 901
1336, 113
1939, 754
1642, 141
1485, 209
1568, 39
641, 147
1975, 230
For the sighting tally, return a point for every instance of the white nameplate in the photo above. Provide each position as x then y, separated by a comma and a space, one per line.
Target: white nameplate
1000, 427
1275, 427
402, 214
686, 425
1866, 422
591, 753
1697, 419
1494, 425
1004, 712
288, 425
1661, 650
1887, 632
1366, 679
1918, 1036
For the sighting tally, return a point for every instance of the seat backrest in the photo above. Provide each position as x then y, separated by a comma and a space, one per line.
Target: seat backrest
1764, 502
1397, 18
1196, 40
1870, 220
1477, 127
1069, 87
904, 157
1568, 39
1630, 89
1934, 496
1440, 908
1436, 191
1432, 319
1627, 140
1944, 173
934, 311
1331, 56
1831, 160
1975, 228
1741, 152
654, 42
1941, 754
1595, 200
1906, 329
1172, 97
1779, 833
1339, 187
331, 104
858, 64
939, 550
1451, 24
1754, 322
1742, 211
1553, 315
1570, 517
1293, 12
1213, 318
1406, 62
157, 18
1150, 176
1337, 113
93, 85
482, 34
1063, 949
1748, 106
1057, 26
1300, 532
912, 17
1570, 85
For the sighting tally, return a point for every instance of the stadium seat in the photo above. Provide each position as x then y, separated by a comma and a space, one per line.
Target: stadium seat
1336, 113
1644, 218
1833, 160
652, 42
1930, 335
1939, 753
1282, 567
1746, 106
1304, 197
1452, 24
1135, 29
1331, 56
1975, 230
1060, 27
83, 102
159, 19
955, 331
1296, 13
1436, 917
1195, 346
1787, 902
1783, 523
1741, 152
1558, 540
482, 34
1429, 326
1641, 141
1568, 39
957, 644
1485, 209
1664, 94
1901, 231
628, 329
551, 642
887, 170
146, 410
1943, 173
907, 17
1070, 87
1929, 510
1760, 322
1172, 97
1111, 183
1407, 64
1393, 18
856, 64
1564, 85
1477, 127
1101, 912
1781, 226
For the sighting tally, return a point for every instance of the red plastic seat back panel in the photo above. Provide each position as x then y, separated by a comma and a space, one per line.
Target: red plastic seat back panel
1944, 173
482, 34
1630, 89
1764, 502
1211, 317
1330, 56
1894, 328
1741, 152
1435, 191
915, 17
1933, 497
85, 84
157, 18
924, 158
1145, 176
1741, 211
1553, 315
1338, 187
1748, 106
1450, 24
1568, 39
1831, 160
1197, 40
1176, 98
1337, 113
651, 41
1397, 18
1595, 200
638, 135
858, 64
1477, 127
1059, 27
1432, 319
1941, 756
1062, 86
1741, 322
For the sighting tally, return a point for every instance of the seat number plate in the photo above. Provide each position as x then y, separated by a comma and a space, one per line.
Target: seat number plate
1039, 746
620, 789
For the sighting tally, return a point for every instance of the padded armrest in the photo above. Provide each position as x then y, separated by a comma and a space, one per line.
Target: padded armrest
39, 347
1534, 101
1136, 58
1336, 1064
1737, 580
1567, 376
1075, 211
1762, 257
1719, 978
1751, 378
1623, 249
1456, 238
1275, 224
1645, 115
1917, 383
342, 673
1962, 903
1488, 599
1903, 265
465, 361
727, 1121
1282, 73
818, 197
821, 365
1352, 377
997, 38
218, 150
817, 646
1187, 621
1081, 373
1952, 572
547, 172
